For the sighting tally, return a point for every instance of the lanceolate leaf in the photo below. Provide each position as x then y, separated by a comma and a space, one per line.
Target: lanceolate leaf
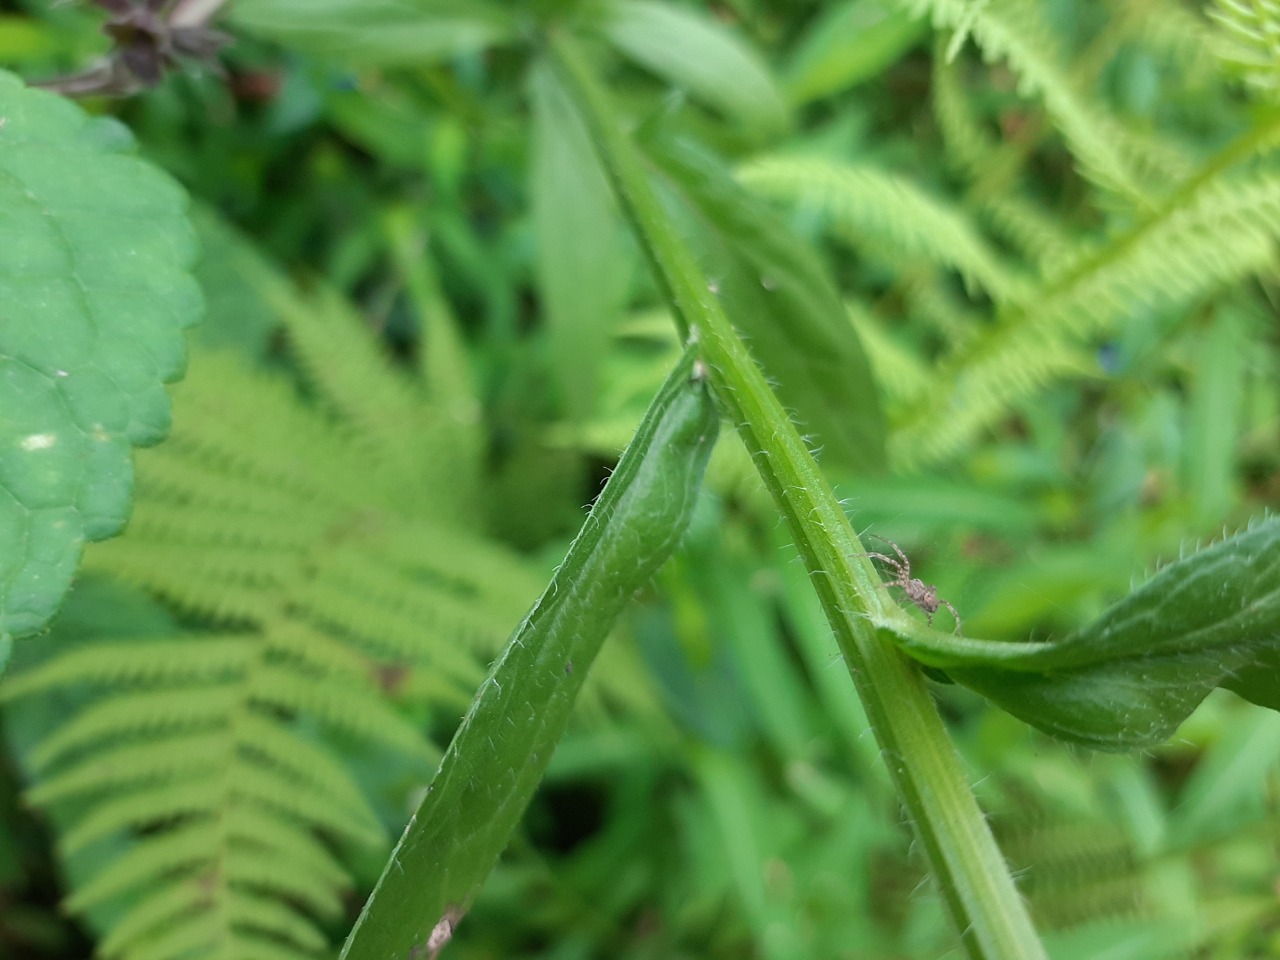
1128, 679
850, 43
582, 263
95, 249
697, 54
786, 305
505, 741
378, 32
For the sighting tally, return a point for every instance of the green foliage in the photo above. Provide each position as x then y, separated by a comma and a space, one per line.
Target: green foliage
381, 32
520, 712
1039, 236
886, 216
695, 54
1249, 41
1016, 34
1131, 677
583, 268
95, 289
338, 549
850, 43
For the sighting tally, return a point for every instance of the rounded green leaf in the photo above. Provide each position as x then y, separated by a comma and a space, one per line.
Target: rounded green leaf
95, 288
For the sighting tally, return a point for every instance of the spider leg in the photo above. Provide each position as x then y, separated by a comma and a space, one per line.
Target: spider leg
878, 556
902, 557
947, 604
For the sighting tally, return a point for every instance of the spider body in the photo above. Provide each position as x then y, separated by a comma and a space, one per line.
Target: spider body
923, 595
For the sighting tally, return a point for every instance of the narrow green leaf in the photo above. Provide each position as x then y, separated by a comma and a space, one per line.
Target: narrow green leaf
695, 53
1232, 778
506, 739
1214, 416
379, 32
95, 288
582, 266
1128, 679
783, 300
849, 44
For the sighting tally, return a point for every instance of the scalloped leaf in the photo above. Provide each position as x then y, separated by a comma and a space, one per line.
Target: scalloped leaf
95, 289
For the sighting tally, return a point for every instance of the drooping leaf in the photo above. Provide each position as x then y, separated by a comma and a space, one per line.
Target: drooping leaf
851, 42
95, 289
786, 304
378, 32
695, 53
581, 260
1128, 679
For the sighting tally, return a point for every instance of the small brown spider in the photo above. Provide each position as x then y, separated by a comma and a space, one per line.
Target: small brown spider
923, 595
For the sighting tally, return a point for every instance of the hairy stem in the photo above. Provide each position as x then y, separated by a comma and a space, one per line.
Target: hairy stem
985, 906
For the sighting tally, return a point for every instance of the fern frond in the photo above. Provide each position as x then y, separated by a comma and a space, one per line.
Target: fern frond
1248, 40
1013, 31
930, 301
204, 774
968, 144
1176, 34
133, 764
183, 708
136, 809
901, 374
410, 442
1034, 232
1219, 231
173, 851
338, 704
214, 656
870, 207
155, 910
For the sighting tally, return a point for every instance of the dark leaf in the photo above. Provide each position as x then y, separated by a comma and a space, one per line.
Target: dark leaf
1128, 679
786, 305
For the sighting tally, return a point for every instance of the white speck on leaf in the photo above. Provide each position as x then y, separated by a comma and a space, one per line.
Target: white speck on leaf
38, 441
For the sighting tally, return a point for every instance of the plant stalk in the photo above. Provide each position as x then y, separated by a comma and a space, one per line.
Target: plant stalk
985, 906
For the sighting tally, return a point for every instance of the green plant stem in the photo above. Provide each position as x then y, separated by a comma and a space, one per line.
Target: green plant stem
974, 879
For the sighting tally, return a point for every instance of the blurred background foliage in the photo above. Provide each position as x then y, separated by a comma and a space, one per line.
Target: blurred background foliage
429, 335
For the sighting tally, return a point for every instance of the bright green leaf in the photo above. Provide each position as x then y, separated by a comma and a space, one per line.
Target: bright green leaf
95, 251
849, 44
1214, 415
582, 263
697, 54
378, 32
